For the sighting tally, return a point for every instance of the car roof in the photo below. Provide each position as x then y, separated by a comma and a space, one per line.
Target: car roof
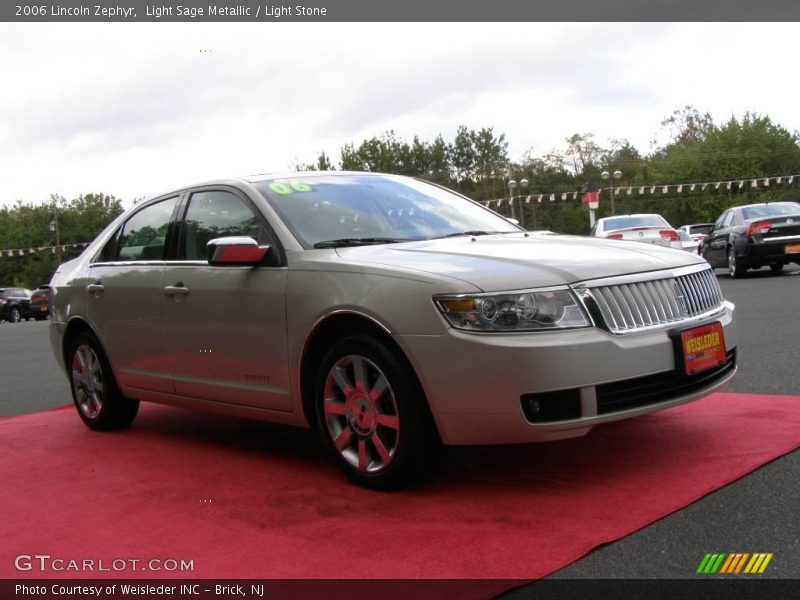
289, 174
633, 215
765, 204
247, 179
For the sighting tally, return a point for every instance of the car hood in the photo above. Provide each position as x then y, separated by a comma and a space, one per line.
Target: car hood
516, 261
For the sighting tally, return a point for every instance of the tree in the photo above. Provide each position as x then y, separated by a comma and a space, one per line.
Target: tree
583, 151
25, 226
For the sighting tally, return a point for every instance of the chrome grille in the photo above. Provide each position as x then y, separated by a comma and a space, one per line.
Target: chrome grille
636, 304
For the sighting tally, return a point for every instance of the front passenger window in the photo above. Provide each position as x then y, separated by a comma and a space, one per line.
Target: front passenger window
218, 214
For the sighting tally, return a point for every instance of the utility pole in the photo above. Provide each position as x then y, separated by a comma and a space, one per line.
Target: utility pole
54, 227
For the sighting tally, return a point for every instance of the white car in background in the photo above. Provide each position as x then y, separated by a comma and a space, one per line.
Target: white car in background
648, 228
698, 231
688, 243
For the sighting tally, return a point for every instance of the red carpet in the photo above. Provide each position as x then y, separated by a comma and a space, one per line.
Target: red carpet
244, 499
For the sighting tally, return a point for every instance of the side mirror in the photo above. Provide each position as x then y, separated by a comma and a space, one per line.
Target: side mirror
514, 221
235, 252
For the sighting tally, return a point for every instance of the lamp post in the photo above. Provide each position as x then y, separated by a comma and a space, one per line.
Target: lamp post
513, 185
54, 228
610, 178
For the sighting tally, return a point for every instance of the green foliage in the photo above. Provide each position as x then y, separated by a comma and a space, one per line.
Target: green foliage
25, 226
476, 163
696, 150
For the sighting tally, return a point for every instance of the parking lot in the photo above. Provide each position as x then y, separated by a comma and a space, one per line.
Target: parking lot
758, 512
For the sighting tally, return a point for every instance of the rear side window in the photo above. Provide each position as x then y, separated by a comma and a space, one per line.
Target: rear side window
144, 235
216, 214
728, 219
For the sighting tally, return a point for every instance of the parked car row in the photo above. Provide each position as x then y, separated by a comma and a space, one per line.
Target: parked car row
19, 304
742, 238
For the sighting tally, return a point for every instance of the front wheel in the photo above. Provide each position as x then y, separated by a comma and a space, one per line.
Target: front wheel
15, 316
373, 415
735, 268
97, 397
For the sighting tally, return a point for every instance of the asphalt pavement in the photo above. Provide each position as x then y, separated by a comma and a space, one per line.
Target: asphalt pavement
757, 513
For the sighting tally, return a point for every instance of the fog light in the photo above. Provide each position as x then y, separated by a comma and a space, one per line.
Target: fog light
534, 406
547, 407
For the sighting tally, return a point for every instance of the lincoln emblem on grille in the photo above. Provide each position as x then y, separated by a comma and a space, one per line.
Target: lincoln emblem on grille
680, 296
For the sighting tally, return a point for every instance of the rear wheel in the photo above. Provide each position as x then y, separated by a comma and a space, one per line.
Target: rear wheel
373, 415
97, 397
776, 268
735, 268
14, 317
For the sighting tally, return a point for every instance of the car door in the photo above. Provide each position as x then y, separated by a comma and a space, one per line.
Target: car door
717, 240
124, 296
225, 326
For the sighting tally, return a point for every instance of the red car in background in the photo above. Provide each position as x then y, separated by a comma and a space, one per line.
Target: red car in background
40, 303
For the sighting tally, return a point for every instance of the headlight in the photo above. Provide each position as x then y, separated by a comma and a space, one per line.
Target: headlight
525, 310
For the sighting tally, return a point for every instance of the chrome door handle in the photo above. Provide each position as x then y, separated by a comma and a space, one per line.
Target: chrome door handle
95, 288
176, 290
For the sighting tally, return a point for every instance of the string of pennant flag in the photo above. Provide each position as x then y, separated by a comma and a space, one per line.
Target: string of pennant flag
643, 190
16, 252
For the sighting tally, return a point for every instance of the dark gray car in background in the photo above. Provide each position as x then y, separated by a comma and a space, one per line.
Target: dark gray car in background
754, 236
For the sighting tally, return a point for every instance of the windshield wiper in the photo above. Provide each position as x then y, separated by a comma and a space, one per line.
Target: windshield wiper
472, 232
357, 242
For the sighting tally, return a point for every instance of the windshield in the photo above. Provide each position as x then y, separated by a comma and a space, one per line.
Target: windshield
626, 221
774, 209
375, 209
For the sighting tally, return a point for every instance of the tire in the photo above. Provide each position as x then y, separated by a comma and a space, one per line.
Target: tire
98, 399
382, 441
735, 268
776, 269
14, 316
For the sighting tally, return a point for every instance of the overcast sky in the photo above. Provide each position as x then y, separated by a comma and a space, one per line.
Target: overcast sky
134, 109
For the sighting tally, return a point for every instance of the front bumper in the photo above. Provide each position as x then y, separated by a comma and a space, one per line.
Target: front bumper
475, 383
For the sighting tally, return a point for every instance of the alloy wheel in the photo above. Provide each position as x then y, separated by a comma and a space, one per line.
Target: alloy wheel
87, 381
361, 414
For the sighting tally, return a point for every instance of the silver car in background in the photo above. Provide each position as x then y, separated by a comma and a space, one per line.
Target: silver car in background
647, 228
391, 314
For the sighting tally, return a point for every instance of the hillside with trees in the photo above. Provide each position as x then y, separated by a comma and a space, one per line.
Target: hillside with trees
696, 151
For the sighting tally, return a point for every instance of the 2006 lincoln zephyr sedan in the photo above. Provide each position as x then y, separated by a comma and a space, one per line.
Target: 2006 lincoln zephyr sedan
390, 314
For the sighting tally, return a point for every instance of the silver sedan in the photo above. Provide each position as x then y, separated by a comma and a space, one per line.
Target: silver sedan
392, 315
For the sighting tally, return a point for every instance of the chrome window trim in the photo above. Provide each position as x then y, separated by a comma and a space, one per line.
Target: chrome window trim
130, 263
176, 263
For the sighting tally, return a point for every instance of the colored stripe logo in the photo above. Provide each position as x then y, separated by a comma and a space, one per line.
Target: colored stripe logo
735, 562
